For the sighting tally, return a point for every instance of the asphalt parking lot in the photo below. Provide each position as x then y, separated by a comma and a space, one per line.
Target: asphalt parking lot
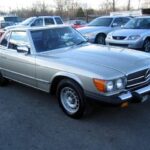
31, 120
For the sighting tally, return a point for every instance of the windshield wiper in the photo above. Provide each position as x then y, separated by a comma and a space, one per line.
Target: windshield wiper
82, 42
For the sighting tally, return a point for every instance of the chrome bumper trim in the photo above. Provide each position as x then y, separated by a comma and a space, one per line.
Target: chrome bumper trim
125, 96
144, 90
137, 94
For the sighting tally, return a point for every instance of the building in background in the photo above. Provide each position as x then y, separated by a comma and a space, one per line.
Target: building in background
134, 13
145, 3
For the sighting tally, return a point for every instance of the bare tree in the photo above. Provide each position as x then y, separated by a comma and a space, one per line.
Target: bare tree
66, 8
106, 7
129, 5
59, 6
114, 5
139, 4
40, 8
145, 3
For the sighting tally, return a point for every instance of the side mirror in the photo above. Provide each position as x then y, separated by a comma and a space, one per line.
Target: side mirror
23, 49
122, 26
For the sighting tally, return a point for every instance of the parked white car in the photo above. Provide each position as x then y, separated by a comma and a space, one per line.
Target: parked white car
135, 35
38, 21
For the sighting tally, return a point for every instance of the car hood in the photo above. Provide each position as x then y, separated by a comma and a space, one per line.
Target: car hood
97, 59
128, 32
88, 29
14, 26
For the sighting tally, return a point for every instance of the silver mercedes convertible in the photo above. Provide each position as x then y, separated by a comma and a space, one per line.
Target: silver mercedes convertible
59, 60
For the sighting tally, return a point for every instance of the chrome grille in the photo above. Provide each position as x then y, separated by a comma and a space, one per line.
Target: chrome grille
138, 79
119, 37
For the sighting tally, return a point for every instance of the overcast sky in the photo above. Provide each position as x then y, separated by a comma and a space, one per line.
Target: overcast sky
12, 4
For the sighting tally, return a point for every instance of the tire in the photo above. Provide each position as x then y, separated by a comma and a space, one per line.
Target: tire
71, 98
146, 46
100, 39
3, 81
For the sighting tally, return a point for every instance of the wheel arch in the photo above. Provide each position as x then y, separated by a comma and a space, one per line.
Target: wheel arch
146, 38
55, 80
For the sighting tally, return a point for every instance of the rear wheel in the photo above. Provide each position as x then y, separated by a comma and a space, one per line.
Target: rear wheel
100, 39
71, 98
147, 45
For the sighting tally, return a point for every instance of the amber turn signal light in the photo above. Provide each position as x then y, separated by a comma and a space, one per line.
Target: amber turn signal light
100, 85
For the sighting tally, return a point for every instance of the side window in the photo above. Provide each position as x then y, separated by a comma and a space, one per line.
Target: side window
58, 20
5, 40
49, 21
125, 20
17, 38
117, 22
38, 22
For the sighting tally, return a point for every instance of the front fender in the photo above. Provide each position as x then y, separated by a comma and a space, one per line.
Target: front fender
145, 37
68, 75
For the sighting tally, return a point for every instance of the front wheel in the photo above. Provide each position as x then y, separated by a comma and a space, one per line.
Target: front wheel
147, 45
71, 99
100, 39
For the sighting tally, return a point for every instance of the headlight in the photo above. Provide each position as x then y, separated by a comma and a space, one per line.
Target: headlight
109, 86
134, 37
119, 84
109, 36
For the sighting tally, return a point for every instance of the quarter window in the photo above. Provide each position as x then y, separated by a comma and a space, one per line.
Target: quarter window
58, 20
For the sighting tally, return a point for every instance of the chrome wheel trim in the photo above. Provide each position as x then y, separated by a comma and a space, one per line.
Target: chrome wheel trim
69, 99
147, 46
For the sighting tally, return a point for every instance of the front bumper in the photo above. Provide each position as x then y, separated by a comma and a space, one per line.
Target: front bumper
126, 96
126, 43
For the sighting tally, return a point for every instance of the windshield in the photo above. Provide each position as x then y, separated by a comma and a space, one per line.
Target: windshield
138, 23
105, 22
27, 21
56, 38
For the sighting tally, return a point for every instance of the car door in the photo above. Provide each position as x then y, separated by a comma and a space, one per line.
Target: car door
17, 65
3, 47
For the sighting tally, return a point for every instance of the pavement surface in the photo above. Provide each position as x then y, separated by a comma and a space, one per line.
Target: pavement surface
32, 120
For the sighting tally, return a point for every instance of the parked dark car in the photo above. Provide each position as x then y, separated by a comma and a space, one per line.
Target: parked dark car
4, 24
11, 18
